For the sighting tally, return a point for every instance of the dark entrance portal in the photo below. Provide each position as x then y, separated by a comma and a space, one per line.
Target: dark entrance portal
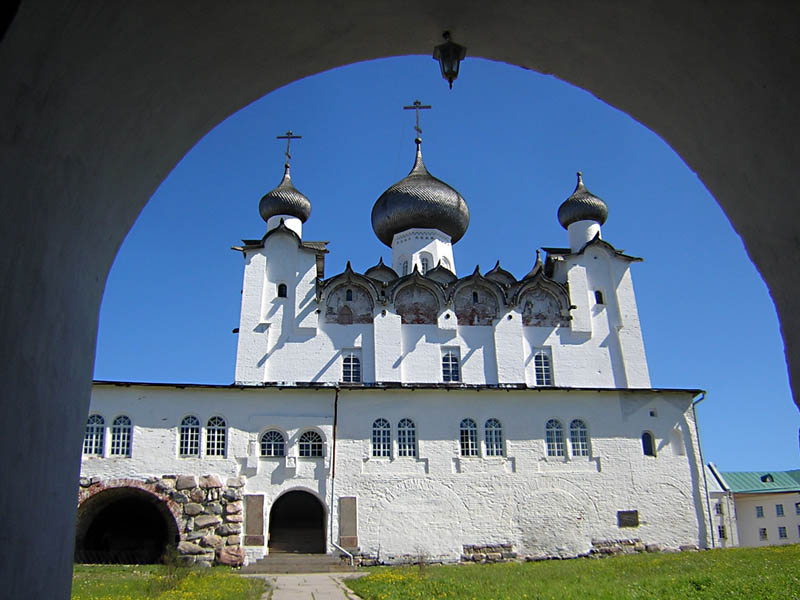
297, 524
123, 526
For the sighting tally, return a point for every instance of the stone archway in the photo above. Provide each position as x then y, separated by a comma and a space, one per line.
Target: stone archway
101, 101
297, 524
124, 525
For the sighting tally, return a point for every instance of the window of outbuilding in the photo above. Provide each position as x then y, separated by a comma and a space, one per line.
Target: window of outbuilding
310, 445
782, 533
759, 512
273, 443
579, 438
762, 533
493, 430
381, 438
779, 510
648, 444
121, 436
282, 290
189, 440
722, 533
406, 438
468, 436
554, 437
94, 436
451, 371
215, 436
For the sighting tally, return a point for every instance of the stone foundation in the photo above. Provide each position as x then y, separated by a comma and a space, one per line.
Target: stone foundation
208, 514
488, 553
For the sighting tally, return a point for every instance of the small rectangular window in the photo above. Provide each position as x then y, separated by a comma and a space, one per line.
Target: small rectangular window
451, 365
722, 533
782, 533
627, 518
762, 533
718, 508
598, 297
779, 510
797, 508
759, 512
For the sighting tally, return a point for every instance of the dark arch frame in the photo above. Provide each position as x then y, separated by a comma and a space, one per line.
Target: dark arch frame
79, 182
307, 527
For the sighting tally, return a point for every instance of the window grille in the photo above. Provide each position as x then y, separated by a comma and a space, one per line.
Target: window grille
762, 533
273, 444
722, 532
759, 512
425, 265
718, 510
542, 368
450, 367
215, 437
797, 508
310, 445
406, 438
381, 438
93, 439
351, 369
405, 267
494, 438
469, 438
779, 510
121, 436
782, 533
579, 438
648, 444
554, 435
189, 443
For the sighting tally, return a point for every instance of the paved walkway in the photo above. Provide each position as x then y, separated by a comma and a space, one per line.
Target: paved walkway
310, 586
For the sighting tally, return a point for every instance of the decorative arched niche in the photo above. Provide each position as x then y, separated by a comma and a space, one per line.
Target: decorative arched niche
543, 304
475, 304
347, 304
416, 304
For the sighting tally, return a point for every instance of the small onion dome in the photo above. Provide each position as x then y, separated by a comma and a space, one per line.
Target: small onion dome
582, 205
285, 200
420, 201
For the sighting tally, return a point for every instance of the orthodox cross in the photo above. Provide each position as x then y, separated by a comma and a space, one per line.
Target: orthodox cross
288, 136
417, 106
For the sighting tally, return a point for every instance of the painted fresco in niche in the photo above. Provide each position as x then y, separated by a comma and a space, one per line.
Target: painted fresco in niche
540, 309
475, 305
348, 304
416, 305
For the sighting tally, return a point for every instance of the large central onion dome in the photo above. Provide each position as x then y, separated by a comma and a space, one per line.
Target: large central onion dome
420, 201
582, 205
285, 200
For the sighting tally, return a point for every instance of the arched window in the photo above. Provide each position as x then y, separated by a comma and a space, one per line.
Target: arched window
189, 442
348, 296
494, 438
426, 265
310, 444
273, 443
450, 367
554, 435
474, 297
381, 438
598, 297
351, 368
406, 438
541, 364
446, 263
95, 432
405, 267
121, 436
281, 290
648, 444
469, 438
579, 438
215, 437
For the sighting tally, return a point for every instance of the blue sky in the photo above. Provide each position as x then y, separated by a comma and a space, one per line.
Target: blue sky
510, 141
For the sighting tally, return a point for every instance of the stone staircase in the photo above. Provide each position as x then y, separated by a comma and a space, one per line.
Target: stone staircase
295, 562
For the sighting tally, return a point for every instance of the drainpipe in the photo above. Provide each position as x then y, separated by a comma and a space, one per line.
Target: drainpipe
333, 475
703, 463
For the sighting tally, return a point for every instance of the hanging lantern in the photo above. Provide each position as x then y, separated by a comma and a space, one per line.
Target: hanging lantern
449, 56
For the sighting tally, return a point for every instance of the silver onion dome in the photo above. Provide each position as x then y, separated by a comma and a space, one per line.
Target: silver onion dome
582, 205
420, 201
285, 200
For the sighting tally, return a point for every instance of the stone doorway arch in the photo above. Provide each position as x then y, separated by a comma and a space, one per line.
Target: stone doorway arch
297, 523
124, 525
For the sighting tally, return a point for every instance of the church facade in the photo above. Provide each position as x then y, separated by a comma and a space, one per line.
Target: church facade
406, 411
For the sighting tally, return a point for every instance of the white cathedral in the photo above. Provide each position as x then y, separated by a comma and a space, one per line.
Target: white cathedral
404, 411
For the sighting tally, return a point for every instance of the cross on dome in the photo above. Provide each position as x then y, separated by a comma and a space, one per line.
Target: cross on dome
288, 136
417, 106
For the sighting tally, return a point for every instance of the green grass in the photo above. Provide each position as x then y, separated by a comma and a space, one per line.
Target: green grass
742, 573
132, 582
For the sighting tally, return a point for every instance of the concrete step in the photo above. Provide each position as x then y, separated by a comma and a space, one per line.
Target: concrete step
290, 562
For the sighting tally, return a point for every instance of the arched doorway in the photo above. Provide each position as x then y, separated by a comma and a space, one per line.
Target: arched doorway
297, 524
124, 526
